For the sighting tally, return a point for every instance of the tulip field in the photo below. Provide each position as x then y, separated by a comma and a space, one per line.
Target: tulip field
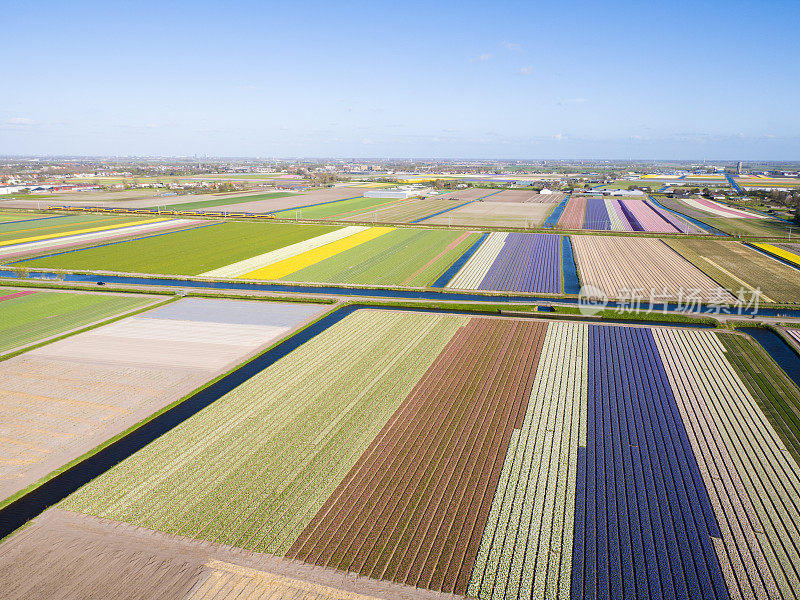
281, 442
622, 214
352, 254
17, 217
384, 519
453, 258
630, 268
788, 253
489, 457
513, 262
374, 210
721, 210
574, 213
405, 257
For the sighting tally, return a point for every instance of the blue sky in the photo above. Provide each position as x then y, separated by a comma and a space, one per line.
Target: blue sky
624, 79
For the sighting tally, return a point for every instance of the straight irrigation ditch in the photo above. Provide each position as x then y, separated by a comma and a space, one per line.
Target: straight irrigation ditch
395, 294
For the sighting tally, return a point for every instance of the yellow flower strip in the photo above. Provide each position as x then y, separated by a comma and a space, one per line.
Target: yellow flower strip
49, 236
285, 267
784, 254
57, 225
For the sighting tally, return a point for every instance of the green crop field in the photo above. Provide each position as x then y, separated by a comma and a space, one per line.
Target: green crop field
339, 209
410, 211
211, 203
269, 453
62, 225
27, 319
11, 216
188, 252
412, 257
734, 266
749, 227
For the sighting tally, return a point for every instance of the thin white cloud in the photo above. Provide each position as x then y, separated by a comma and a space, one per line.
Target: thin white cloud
485, 57
139, 126
526, 70
23, 121
573, 101
511, 46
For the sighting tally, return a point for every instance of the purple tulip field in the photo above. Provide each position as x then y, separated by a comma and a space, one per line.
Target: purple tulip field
514, 262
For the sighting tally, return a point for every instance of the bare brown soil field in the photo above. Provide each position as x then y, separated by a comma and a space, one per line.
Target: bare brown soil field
525, 196
67, 556
295, 201
626, 268
574, 214
414, 507
736, 266
496, 214
61, 400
